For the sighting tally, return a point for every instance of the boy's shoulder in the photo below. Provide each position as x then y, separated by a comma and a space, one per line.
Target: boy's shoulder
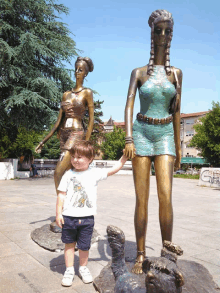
91, 172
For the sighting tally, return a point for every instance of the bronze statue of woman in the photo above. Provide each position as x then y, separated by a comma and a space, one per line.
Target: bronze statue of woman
156, 133
69, 123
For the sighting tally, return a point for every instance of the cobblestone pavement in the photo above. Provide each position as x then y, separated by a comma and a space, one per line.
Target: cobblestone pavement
30, 203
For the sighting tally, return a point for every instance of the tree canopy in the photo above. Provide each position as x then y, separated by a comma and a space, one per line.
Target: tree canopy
207, 137
34, 45
113, 144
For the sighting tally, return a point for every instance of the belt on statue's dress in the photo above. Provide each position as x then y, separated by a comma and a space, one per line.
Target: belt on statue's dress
150, 120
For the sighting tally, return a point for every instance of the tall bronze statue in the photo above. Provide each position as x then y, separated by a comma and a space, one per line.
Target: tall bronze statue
156, 131
69, 123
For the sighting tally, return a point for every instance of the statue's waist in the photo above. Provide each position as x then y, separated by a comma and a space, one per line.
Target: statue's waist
151, 120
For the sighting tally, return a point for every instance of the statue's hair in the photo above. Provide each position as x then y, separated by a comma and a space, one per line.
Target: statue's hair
156, 17
88, 61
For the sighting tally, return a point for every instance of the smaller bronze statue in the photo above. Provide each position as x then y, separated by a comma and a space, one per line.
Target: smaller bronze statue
162, 273
70, 118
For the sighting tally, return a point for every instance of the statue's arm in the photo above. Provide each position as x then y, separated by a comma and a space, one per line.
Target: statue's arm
90, 104
176, 121
56, 125
129, 147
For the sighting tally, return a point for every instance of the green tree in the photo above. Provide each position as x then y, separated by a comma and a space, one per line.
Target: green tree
24, 140
34, 48
97, 134
113, 144
34, 45
207, 137
51, 149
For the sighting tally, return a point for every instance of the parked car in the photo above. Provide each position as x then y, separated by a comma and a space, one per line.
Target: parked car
192, 171
180, 171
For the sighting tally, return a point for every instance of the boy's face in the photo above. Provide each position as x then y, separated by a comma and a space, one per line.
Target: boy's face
80, 163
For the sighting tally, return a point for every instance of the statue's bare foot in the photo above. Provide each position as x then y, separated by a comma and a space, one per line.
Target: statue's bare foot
137, 269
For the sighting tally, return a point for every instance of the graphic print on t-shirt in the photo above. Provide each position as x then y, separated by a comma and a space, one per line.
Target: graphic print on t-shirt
79, 197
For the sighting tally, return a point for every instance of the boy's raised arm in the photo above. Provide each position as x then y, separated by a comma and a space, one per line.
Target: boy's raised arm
120, 163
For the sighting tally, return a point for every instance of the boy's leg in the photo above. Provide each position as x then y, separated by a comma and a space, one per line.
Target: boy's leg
69, 261
69, 254
83, 257
83, 270
69, 237
84, 242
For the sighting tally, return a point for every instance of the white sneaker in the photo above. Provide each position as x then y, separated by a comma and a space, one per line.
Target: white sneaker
85, 274
68, 278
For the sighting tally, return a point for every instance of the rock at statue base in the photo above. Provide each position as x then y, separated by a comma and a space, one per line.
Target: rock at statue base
49, 240
197, 278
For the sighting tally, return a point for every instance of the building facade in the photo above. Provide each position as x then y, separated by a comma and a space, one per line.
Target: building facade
187, 132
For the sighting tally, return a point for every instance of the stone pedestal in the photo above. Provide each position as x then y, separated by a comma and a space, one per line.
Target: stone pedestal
197, 278
52, 241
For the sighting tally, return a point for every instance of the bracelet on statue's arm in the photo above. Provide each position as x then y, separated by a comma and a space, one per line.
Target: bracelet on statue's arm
129, 139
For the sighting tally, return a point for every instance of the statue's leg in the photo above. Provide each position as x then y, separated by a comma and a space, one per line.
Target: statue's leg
164, 175
141, 173
62, 165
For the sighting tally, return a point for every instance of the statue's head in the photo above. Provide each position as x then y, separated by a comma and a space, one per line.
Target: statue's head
162, 273
161, 23
83, 66
162, 276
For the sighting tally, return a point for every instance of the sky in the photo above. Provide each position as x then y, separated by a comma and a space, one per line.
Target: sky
116, 36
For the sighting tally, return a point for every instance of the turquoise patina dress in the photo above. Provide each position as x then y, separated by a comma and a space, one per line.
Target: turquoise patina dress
155, 96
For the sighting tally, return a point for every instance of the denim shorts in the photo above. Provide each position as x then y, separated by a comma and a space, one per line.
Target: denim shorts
79, 230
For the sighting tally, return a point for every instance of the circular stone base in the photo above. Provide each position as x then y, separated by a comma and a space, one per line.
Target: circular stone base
47, 239
196, 277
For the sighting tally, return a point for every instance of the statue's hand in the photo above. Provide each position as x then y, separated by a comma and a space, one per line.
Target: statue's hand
177, 161
129, 150
39, 148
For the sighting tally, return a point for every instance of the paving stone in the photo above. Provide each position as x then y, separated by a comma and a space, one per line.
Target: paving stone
18, 236
15, 227
18, 264
4, 239
8, 249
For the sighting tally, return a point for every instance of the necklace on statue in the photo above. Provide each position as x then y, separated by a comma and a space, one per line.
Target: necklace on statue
76, 92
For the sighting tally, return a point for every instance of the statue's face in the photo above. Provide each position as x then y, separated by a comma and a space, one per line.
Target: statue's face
159, 282
162, 33
80, 70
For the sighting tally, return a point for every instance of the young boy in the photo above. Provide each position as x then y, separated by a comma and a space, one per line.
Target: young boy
76, 207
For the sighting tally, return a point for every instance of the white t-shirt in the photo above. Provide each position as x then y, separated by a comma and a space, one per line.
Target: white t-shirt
81, 191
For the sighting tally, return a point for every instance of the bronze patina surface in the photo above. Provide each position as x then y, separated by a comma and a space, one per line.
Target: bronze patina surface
164, 274
70, 118
161, 23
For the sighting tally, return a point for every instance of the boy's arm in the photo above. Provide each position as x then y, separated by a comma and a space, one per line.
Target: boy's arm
59, 208
118, 165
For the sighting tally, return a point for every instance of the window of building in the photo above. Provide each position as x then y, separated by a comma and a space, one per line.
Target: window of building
189, 132
190, 121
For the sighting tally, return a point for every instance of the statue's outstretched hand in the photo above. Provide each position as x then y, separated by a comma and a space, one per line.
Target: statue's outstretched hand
129, 150
39, 148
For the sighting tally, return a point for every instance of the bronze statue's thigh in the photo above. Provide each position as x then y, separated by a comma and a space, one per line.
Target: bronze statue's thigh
141, 173
63, 165
163, 165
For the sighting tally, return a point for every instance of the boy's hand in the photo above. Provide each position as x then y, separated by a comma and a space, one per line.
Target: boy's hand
59, 221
